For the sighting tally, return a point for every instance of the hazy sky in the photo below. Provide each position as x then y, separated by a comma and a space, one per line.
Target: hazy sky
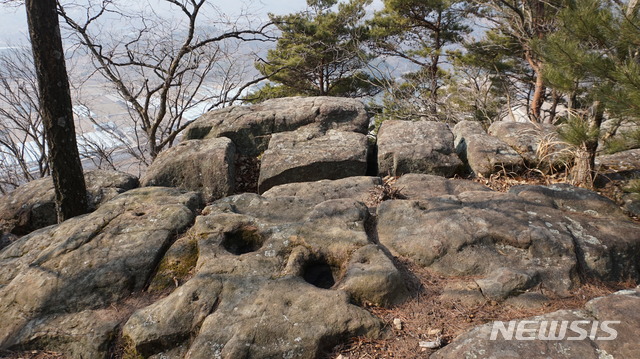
13, 22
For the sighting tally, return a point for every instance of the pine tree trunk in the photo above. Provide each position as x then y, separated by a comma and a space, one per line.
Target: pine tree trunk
583, 171
57, 113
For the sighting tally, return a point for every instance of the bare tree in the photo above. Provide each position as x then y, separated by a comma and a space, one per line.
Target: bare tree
163, 68
23, 153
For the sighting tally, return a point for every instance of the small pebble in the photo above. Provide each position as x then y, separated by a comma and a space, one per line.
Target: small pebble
397, 323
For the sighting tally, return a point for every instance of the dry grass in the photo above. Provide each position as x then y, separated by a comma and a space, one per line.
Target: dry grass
427, 317
384, 192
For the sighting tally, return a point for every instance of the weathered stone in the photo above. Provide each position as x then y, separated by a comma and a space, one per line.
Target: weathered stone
88, 262
546, 232
358, 188
562, 334
206, 166
526, 138
308, 154
465, 292
632, 203
250, 127
416, 147
32, 205
569, 198
421, 186
484, 154
505, 282
281, 285
621, 307
621, 161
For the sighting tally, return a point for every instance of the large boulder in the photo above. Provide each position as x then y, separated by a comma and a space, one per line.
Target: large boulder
309, 154
358, 188
275, 277
421, 186
59, 284
536, 143
206, 166
549, 235
32, 205
250, 127
606, 328
625, 161
416, 147
484, 154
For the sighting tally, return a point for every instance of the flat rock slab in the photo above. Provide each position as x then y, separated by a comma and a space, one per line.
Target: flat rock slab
526, 138
53, 278
308, 154
358, 188
416, 147
275, 277
551, 235
484, 154
32, 205
421, 186
206, 166
250, 127
615, 318
620, 162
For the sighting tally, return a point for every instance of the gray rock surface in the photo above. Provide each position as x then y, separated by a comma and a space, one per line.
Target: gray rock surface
32, 205
206, 166
619, 162
554, 234
53, 281
309, 154
620, 308
421, 186
416, 147
250, 127
281, 274
358, 188
484, 154
526, 138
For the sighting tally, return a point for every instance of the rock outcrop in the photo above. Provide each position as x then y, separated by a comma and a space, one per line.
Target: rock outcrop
250, 127
309, 154
358, 188
32, 205
484, 154
281, 274
534, 234
416, 147
56, 282
206, 166
527, 138
606, 328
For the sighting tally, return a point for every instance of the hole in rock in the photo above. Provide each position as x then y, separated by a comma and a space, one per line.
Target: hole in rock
319, 273
243, 240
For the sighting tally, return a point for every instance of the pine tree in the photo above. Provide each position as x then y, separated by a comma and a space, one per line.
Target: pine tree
417, 31
319, 53
593, 58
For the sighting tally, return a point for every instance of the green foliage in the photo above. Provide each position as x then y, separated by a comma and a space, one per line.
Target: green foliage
319, 53
418, 31
594, 56
576, 131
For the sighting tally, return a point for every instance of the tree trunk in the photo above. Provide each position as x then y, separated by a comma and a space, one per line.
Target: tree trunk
57, 113
583, 170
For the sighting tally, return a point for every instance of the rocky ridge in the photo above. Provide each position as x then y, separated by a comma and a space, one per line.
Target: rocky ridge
166, 273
